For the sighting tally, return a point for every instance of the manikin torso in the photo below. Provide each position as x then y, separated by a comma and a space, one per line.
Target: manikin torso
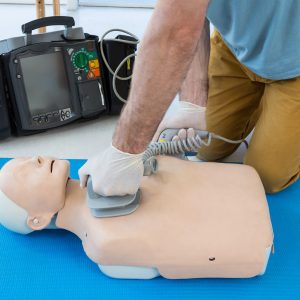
195, 220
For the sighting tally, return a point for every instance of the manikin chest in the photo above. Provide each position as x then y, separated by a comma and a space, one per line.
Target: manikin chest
195, 220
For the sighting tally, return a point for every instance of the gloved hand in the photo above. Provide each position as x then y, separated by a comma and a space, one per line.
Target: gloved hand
113, 172
186, 115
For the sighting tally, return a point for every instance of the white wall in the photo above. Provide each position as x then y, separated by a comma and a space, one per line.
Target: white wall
111, 3
120, 3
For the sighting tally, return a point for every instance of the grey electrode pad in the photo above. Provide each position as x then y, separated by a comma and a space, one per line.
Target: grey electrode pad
113, 206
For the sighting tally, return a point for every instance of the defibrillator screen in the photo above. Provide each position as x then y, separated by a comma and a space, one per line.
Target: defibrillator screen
45, 82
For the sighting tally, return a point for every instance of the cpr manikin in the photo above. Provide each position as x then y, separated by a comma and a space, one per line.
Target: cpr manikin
194, 220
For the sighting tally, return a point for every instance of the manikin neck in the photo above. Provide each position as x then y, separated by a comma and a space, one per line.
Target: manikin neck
73, 190
74, 195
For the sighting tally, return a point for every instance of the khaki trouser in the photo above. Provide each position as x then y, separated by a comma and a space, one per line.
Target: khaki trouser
238, 100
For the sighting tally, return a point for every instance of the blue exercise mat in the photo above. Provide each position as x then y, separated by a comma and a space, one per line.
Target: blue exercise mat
52, 265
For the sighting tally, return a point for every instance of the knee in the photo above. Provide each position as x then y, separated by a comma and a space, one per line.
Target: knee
273, 177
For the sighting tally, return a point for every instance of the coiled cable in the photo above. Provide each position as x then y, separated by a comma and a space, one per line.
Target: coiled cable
115, 73
202, 138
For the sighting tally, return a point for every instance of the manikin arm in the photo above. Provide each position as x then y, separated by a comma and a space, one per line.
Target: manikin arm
164, 57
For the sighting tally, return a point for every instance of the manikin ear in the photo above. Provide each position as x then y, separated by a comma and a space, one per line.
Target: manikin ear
39, 222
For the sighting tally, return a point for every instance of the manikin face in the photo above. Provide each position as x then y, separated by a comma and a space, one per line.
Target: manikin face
38, 185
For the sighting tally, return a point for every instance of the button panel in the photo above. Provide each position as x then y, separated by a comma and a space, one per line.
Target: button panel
52, 117
84, 61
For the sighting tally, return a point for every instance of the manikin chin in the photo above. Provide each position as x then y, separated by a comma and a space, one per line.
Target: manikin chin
195, 220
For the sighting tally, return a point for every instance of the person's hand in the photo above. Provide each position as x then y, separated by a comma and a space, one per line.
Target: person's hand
113, 172
186, 115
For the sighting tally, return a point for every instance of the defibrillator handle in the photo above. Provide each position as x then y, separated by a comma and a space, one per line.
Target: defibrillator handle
68, 22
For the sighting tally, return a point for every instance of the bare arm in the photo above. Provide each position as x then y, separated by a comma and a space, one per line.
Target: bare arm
166, 52
194, 89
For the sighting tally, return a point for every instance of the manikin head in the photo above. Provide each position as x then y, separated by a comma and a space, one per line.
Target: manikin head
32, 191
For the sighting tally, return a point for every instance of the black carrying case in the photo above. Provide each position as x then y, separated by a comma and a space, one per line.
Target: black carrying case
114, 52
5, 128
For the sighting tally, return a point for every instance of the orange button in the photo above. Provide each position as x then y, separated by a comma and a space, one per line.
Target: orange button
90, 75
96, 72
94, 64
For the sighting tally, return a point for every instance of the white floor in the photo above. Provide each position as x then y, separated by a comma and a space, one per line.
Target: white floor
77, 140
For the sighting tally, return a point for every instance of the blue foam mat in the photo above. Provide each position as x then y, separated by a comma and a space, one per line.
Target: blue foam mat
52, 265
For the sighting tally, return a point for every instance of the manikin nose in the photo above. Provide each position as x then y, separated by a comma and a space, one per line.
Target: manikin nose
37, 159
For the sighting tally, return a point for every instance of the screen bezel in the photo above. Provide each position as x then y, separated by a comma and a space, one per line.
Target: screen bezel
19, 87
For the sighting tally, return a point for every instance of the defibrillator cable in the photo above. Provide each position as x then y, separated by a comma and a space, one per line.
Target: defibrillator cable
194, 144
204, 138
115, 73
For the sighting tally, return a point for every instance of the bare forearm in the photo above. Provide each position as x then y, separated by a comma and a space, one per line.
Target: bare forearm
163, 60
194, 88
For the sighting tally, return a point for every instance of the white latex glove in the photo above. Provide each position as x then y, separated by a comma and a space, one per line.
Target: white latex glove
186, 115
113, 172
